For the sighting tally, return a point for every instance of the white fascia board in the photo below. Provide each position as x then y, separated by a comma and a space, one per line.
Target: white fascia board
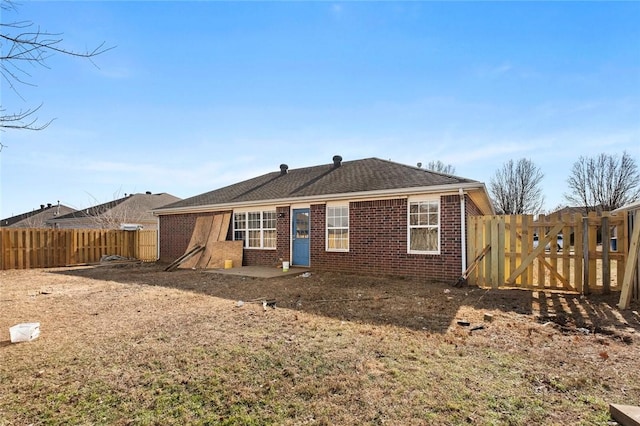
484, 194
632, 206
351, 196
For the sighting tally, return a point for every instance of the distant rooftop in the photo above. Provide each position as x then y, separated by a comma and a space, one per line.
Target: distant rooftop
36, 218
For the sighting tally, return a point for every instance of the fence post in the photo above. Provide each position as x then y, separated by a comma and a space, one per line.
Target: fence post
1, 249
606, 275
136, 247
495, 253
585, 254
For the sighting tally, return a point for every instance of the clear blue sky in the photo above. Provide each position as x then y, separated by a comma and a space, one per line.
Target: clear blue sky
199, 95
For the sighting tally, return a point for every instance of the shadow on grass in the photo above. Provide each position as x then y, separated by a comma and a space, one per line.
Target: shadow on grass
413, 304
595, 313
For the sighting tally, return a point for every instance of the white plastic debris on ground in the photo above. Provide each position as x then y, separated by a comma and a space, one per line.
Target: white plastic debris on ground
24, 332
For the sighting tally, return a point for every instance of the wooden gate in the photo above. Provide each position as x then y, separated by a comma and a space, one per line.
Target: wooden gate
570, 253
147, 245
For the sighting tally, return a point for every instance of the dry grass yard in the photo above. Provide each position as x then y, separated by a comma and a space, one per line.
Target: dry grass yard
132, 344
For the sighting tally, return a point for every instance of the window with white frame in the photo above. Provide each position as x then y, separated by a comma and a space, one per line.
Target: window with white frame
240, 227
257, 229
337, 228
424, 226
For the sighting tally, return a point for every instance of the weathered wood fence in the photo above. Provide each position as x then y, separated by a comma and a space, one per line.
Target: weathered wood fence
24, 248
571, 253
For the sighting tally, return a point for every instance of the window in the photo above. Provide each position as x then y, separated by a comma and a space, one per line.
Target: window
256, 229
240, 227
337, 228
269, 229
424, 227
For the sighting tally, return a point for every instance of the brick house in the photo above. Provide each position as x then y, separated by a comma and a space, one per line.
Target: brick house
368, 216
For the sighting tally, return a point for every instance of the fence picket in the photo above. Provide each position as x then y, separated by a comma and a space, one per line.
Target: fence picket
584, 261
606, 270
23, 248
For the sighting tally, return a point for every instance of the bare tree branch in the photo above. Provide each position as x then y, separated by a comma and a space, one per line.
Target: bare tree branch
25, 44
440, 167
515, 188
605, 181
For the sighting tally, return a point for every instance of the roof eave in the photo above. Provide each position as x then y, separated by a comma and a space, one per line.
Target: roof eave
629, 207
481, 198
400, 192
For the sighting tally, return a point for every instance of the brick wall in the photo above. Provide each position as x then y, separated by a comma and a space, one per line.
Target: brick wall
175, 234
472, 209
260, 257
283, 230
378, 241
176, 230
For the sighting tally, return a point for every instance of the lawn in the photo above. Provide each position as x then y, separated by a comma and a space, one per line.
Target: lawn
132, 344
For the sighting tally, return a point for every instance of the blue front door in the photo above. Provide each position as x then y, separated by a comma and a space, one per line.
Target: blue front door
300, 236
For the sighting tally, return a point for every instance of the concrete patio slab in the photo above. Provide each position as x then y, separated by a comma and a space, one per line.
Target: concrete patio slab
259, 271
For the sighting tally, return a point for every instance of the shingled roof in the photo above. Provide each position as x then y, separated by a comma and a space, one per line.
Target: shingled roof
135, 208
349, 177
36, 218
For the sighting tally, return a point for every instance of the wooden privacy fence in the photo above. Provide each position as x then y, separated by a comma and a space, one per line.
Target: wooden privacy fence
571, 252
24, 248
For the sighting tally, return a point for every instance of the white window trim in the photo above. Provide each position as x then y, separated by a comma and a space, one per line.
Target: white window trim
418, 200
262, 229
326, 228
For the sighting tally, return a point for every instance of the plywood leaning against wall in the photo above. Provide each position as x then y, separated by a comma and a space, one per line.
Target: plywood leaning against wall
199, 237
210, 232
225, 250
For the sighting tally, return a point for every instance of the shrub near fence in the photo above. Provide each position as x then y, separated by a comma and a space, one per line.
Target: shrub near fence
24, 248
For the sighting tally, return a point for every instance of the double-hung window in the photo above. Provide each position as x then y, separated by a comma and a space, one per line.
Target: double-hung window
337, 228
424, 226
257, 229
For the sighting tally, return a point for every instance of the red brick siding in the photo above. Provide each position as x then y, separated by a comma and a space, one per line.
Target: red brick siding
259, 257
176, 230
283, 227
175, 234
378, 241
472, 209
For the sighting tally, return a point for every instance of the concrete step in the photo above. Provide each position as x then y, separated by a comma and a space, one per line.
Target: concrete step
626, 415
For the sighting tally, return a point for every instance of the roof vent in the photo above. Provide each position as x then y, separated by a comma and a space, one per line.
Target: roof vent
337, 161
48, 205
283, 169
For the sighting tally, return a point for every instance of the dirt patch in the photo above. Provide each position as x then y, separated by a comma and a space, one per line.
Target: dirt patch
131, 343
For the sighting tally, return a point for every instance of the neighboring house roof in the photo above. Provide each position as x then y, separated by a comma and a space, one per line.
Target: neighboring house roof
568, 210
36, 218
134, 208
349, 179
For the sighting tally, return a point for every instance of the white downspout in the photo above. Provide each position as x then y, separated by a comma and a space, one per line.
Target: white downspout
463, 227
158, 239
